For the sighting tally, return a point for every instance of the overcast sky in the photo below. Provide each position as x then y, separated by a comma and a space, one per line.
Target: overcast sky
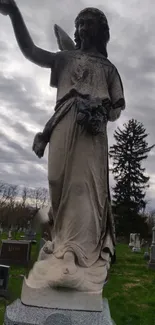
27, 101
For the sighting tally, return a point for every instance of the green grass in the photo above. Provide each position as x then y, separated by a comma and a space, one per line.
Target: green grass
130, 290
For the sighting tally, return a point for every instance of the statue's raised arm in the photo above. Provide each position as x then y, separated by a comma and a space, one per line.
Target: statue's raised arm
38, 56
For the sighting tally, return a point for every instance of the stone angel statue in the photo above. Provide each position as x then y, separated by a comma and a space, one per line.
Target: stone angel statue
89, 95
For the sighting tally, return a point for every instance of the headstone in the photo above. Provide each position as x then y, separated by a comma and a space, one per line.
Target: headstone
136, 250
152, 252
131, 243
22, 237
12, 228
144, 243
30, 235
15, 252
10, 234
135, 242
146, 256
4, 280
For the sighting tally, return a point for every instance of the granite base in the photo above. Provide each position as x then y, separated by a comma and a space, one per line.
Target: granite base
151, 265
19, 314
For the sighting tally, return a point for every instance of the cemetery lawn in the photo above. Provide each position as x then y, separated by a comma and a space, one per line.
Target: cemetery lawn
130, 290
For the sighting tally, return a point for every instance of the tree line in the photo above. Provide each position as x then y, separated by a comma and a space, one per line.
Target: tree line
18, 205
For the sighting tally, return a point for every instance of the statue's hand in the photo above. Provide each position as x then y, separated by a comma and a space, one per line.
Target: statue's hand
39, 145
7, 6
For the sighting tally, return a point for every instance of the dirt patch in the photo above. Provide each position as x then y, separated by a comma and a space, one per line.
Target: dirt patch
131, 285
116, 294
142, 306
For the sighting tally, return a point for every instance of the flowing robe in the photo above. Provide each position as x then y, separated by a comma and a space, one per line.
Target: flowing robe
78, 173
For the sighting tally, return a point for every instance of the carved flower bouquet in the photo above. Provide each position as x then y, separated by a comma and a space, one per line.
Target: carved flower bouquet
92, 114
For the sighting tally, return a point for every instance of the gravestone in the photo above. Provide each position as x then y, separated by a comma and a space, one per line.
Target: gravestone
4, 280
152, 252
30, 235
22, 237
10, 234
143, 243
135, 242
15, 252
131, 243
146, 256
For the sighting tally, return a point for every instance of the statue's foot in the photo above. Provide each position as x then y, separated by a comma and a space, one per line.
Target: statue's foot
69, 263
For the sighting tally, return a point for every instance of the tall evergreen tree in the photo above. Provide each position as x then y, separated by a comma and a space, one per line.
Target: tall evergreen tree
128, 153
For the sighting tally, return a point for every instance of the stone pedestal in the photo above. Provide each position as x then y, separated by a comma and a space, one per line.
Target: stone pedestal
61, 298
19, 314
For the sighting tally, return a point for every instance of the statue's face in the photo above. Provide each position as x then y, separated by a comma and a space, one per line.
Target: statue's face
87, 29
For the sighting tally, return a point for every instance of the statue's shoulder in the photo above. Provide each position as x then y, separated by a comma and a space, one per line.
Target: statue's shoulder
62, 60
109, 63
65, 54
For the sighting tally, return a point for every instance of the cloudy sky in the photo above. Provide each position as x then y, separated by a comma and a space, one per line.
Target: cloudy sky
27, 101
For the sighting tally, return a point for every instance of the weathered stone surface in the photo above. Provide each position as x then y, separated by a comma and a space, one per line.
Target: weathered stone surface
57, 318
60, 298
19, 314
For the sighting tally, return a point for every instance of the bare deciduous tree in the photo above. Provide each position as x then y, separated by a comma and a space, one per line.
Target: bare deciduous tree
25, 196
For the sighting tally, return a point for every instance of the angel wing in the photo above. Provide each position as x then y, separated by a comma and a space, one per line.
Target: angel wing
64, 40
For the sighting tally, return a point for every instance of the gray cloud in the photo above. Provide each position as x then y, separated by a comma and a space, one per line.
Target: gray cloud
27, 101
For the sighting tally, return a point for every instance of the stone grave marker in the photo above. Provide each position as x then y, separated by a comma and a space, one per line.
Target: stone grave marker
135, 242
152, 253
15, 252
131, 243
146, 256
30, 235
137, 245
4, 280
10, 234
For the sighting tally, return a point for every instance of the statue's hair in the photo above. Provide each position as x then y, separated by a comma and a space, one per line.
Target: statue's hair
103, 34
